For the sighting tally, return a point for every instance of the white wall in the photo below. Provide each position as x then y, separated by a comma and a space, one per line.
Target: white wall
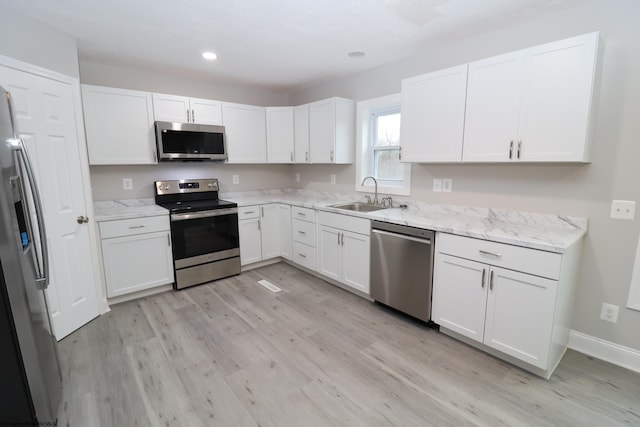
579, 190
36, 43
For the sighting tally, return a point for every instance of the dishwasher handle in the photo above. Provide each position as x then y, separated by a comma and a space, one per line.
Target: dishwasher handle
402, 236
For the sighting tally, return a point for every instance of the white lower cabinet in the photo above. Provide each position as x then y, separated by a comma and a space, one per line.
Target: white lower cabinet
284, 228
136, 254
259, 231
303, 234
343, 249
525, 314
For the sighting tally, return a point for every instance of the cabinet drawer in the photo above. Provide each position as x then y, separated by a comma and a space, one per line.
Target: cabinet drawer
305, 214
247, 212
304, 232
304, 255
345, 222
133, 226
526, 260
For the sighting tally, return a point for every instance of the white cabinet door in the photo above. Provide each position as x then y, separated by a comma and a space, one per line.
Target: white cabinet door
250, 241
493, 102
245, 127
206, 111
520, 312
329, 252
270, 230
460, 295
331, 130
171, 108
284, 226
280, 134
119, 126
556, 100
134, 263
48, 117
355, 252
301, 133
432, 119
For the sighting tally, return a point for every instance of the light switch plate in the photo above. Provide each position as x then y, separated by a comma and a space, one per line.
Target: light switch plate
437, 185
235, 179
623, 209
447, 185
127, 184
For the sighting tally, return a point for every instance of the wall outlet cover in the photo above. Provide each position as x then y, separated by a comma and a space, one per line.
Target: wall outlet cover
127, 184
235, 179
297, 177
447, 185
609, 312
437, 185
623, 209
333, 179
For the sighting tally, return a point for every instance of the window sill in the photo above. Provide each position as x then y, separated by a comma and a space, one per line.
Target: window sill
394, 191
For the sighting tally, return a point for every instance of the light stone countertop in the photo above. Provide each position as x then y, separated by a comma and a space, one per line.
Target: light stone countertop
546, 232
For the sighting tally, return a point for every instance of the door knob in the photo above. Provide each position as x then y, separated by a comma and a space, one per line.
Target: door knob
82, 219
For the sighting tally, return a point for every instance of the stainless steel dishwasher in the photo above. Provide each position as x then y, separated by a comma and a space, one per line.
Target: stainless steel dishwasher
402, 268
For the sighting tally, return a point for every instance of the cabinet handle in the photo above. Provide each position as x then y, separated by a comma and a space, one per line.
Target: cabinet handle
302, 255
338, 239
302, 214
193, 115
306, 156
188, 117
136, 226
491, 280
258, 225
292, 157
302, 232
342, 238
249, 212
510, 149
331, 155
484, 273
400, 153
519, 147
262, 211
168, 240
495, 254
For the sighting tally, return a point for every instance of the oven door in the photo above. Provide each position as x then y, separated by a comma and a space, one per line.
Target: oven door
206, 236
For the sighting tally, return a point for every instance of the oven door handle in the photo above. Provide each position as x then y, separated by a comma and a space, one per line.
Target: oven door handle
203, 214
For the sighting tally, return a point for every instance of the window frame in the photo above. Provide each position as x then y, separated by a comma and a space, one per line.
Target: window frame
366, 115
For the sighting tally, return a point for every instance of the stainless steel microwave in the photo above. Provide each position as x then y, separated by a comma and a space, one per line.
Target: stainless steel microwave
188, 141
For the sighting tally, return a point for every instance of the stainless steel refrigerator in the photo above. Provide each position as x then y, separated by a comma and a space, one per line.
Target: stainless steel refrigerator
30, 380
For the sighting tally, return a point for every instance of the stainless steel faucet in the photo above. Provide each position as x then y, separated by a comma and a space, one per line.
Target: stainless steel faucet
375, 182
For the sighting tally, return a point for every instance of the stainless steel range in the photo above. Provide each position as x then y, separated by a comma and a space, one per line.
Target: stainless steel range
204, 230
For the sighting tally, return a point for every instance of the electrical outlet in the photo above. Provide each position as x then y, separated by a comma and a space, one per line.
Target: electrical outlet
235, 179
127, 184
297, 177
437, 185
333, 179
623, 209
609, 312
447, 185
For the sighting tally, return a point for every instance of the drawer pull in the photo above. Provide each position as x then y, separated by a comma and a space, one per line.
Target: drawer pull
136, 226
249, 212
304, 233
302, 255
302, 214
484, 273
491, 280
495, 254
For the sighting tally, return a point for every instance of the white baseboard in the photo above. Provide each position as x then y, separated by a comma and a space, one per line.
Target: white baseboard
605, 350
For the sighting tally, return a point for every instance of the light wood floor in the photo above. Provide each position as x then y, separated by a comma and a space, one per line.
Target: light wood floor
233, 353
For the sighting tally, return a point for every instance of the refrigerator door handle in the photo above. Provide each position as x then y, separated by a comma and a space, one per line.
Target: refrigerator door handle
42, 273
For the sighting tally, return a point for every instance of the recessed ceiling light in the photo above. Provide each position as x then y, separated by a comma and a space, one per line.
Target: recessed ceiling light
356, 54
209, 55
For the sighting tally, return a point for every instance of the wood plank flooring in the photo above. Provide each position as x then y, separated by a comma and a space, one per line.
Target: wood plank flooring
232, 353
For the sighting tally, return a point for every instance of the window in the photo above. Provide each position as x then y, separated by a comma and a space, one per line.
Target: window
378, 140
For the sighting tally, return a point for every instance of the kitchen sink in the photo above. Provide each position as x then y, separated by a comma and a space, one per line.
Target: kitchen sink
359, 207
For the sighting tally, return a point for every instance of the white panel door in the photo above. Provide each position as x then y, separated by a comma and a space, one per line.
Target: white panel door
460, 295
301, 133
206, 111
119, 125
432, 119
557, 99
245, 127
520, 310
355, 265
45, 112
171, 108
250, 241
284, 227
493, 102
322, 131
270, 230
329, 252
280, 134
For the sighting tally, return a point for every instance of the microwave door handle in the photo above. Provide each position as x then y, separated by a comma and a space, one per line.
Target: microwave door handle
42, 274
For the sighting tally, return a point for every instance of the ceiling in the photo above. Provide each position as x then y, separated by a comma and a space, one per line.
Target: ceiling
279, 44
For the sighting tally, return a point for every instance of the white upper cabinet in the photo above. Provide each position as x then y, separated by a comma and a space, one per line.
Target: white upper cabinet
301, 133
532, 105
331, 130
119, 126
280, 134
432, 119
245, 128
180, 109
